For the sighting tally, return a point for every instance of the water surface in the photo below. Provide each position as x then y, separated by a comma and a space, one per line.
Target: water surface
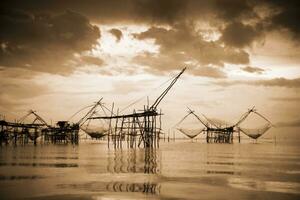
180, 170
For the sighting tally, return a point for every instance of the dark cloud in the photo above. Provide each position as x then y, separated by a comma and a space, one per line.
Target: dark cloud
276, 82
234, 9
36, 40
43, 42
250, 69
293, 123
287, 17
117, 33
158, 11
150, 11
182, 44
239, 35
171, 11
166, 11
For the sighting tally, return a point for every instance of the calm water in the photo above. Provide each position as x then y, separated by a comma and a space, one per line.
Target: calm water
180, 170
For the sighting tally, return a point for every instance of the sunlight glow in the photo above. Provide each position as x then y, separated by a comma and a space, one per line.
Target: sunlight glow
128, 46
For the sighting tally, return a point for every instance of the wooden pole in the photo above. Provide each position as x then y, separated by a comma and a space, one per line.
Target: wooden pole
116, 126
109, 129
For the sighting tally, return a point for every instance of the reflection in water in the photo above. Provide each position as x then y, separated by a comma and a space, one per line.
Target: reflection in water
56, 165
146, 188
220, 172
181, 170
257, 185
134, 161
220, 163
45, 157
2, 178
129, 163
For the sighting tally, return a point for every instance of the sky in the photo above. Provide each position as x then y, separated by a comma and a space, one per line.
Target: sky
61, 55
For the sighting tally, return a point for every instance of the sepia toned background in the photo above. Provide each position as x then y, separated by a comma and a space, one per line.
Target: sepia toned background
59, 56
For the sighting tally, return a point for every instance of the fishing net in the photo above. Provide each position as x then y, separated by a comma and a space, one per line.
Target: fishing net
99, 133
217, 123
256, 132
191, 133
96, 128
190, 126
260, 123
33, 135
32, 118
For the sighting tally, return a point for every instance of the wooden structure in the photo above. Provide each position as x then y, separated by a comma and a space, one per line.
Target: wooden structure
21, 132
84, 122
138, 129
63, 132
216, 133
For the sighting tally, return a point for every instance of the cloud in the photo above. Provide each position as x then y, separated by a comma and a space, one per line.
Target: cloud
275, 14
91, 60
117, 33
250, 69
239, 35
151, 11
104, 11
276, 82
15, 92
233, 10
21, 89
212, 72
293, 123
289, 11
7, 103
182, 45
50, 39
42, 42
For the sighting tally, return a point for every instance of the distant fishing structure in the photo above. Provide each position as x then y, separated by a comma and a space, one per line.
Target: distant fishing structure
140, 128
22, 132
223, 133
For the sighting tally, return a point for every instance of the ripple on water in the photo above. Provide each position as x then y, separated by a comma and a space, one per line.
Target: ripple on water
259, 185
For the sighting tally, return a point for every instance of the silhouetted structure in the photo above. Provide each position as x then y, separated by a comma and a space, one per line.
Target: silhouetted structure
139, 129
21, 132
217, 133
63, 132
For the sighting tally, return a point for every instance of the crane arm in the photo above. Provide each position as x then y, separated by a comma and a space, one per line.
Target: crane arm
189, 113
39, 117
90, 112
193, 113
210, 121
245, 115
164, 93
263, 117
